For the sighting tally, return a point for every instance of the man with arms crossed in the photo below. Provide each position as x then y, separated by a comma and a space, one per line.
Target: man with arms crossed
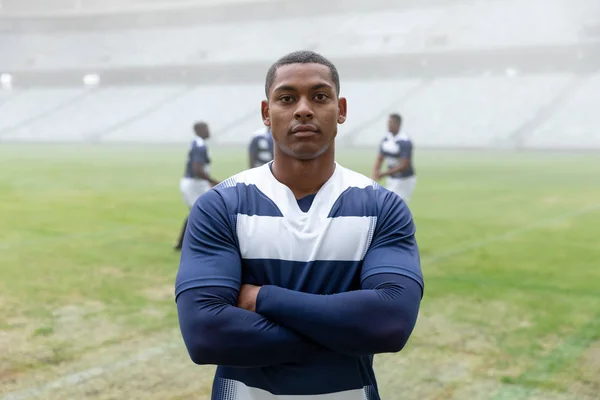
293, 275
196, 180
396, 148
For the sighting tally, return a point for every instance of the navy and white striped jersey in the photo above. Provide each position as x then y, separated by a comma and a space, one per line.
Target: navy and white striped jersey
261, 148
306, 255
198, 152
394, 148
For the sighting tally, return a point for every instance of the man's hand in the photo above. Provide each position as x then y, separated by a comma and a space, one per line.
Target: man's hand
380, 175
247, 297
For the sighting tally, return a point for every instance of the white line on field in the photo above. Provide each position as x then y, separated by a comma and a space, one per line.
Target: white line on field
85, 375
466, 247
82, 376
82, 235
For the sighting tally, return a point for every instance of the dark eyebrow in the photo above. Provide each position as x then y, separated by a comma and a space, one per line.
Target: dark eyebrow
321, 86
286, 88
289, 88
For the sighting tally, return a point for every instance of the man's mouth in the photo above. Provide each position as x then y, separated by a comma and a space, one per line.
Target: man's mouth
303, 131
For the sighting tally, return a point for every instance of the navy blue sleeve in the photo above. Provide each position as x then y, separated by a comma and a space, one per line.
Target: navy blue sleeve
377, 319
394, 248
405, 149
218, 333
214, 330
209, 256
200, 155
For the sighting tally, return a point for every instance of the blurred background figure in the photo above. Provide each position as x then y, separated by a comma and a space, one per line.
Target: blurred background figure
396, 149
196, 179
261, 148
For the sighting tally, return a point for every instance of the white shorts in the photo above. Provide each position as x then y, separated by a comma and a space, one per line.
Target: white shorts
403, 187
191, 189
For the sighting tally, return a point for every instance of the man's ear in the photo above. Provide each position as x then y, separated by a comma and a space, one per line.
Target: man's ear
264, 111
342, 110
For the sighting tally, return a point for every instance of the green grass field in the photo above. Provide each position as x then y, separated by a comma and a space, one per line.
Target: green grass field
510, 246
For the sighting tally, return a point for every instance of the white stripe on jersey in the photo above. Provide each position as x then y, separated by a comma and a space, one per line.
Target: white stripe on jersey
283, 197
234, 390
300, 236
336, 239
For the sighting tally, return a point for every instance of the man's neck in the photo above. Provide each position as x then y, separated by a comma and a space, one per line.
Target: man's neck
304, 177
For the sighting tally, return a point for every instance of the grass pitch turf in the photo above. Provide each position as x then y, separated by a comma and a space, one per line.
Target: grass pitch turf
510, 246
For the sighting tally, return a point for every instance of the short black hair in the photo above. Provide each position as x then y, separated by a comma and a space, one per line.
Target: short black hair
302, 57
396, 117
200, 125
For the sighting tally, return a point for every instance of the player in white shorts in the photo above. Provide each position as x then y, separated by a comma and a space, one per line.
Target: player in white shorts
396, 149
196, 180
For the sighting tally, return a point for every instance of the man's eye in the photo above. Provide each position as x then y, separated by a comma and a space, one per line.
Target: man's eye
286, 99
321, 97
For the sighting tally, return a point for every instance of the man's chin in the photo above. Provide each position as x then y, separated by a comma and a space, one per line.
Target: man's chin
307, 152
306, 156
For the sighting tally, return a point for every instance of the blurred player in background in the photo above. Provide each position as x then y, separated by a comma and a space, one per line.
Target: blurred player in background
396, 149
261, 148
196, 180
294, 274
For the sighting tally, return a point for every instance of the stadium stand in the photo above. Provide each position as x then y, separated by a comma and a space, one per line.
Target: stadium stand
445, 112
463, 73
575, 123
375, 33
227, 108
92, 114
66, 7
472, 112
22, 107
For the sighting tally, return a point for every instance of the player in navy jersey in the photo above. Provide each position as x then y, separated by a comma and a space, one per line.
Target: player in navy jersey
261, 148
196, 179
396, 149
295, 274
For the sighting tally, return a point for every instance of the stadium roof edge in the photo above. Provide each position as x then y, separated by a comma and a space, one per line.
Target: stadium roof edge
194, 14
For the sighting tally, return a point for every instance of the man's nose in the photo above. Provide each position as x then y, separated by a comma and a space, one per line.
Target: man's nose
303, 109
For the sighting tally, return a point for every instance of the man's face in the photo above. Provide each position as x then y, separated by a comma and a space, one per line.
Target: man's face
393, 125
203, 131
303, 110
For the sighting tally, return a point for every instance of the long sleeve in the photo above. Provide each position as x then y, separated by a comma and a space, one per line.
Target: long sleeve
376, 319
381, 316
214, 330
